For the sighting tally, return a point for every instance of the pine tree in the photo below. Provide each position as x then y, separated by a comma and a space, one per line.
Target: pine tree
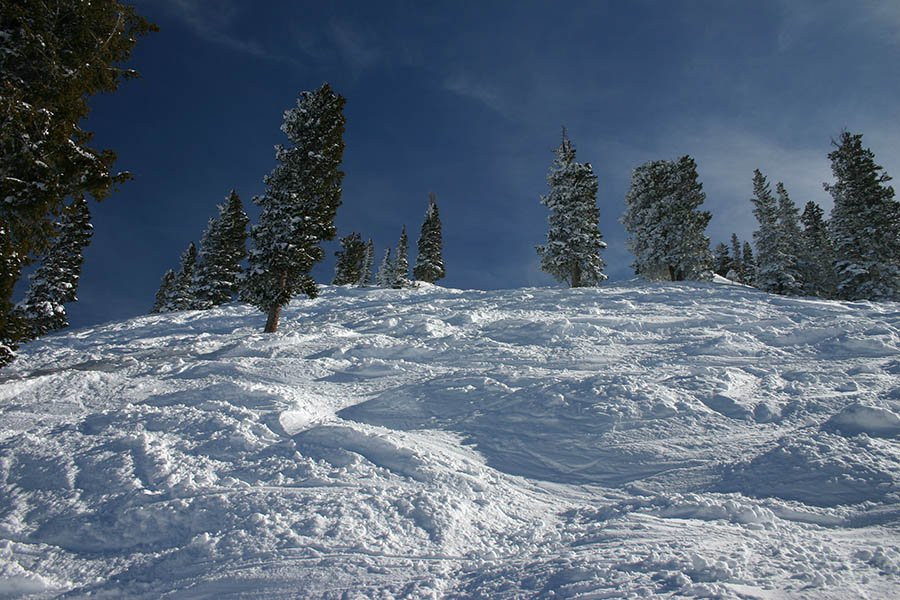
183, 297
865, 224
574, 242
721, 260
748, 263
350, 260
54, 56
737, 263
665, 225
365, 276
385, 276
429, 259
55, 283
770, 273
789, 242
816, 253
222, 248
401, 263
163, 302
302, 196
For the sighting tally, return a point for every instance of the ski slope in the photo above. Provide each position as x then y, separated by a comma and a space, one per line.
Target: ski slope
633, 440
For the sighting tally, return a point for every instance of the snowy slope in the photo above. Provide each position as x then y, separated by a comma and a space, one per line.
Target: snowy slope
693, 440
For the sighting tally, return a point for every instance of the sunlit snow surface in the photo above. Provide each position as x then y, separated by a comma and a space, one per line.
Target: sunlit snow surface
636, 440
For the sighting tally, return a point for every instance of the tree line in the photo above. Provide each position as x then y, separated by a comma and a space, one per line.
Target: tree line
855, 255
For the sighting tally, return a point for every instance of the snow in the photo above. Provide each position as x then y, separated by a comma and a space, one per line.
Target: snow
634, 440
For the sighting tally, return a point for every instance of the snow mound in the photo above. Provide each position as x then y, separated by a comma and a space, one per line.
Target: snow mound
871, 420
634, 440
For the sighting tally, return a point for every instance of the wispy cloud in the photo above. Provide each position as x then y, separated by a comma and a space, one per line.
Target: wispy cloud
353, 47
486, 94
212, 20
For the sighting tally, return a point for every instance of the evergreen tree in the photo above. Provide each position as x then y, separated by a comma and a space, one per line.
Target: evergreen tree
865, 224
163, 302
737, 263
748, 263
385, 276
665, 225
816, 253
302, 196
54, 55
429, 259
401, 263
55, 283
721, 260
351, 260
789, 243
365, 276
222, 248
574, 242
183, 297
770, 273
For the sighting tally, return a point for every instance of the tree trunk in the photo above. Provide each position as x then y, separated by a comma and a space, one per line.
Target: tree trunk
576, 276
272, 319
672, 273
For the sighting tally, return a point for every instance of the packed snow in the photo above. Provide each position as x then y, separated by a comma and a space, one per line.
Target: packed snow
632, 440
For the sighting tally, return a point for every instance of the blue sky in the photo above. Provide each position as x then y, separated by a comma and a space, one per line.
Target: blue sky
466, 100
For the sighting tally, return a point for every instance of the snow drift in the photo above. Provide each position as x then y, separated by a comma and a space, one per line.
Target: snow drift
640, 439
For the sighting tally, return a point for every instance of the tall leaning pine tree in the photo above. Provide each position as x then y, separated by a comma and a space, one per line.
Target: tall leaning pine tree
303, 193
55, 283
789, 243
574, 242
865, 224
429, 259
768, 276
222, 248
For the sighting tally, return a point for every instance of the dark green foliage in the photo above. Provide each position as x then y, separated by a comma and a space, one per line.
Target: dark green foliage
816, 253
401, 263
302, 196
163, 301
54, 55
865, 224
222, 248
385, 276
665, 226
430, 260
737, 263
183, 297
721, 261
55, 283
365, 276
748, 264
351, 260
574, 242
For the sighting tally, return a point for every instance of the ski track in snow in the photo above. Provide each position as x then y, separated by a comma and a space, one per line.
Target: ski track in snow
633, 440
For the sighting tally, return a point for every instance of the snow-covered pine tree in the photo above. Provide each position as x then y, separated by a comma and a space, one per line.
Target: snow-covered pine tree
574, 242
302, 196
350, 260
748, 262
865, 224
789, 242
429, 259
54, 56
401, 263
55, 283
385, 276
737, 263
721, 260
222, 248
183, 297
816, 253
163, 300
666, 228
769, 276
365, 276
